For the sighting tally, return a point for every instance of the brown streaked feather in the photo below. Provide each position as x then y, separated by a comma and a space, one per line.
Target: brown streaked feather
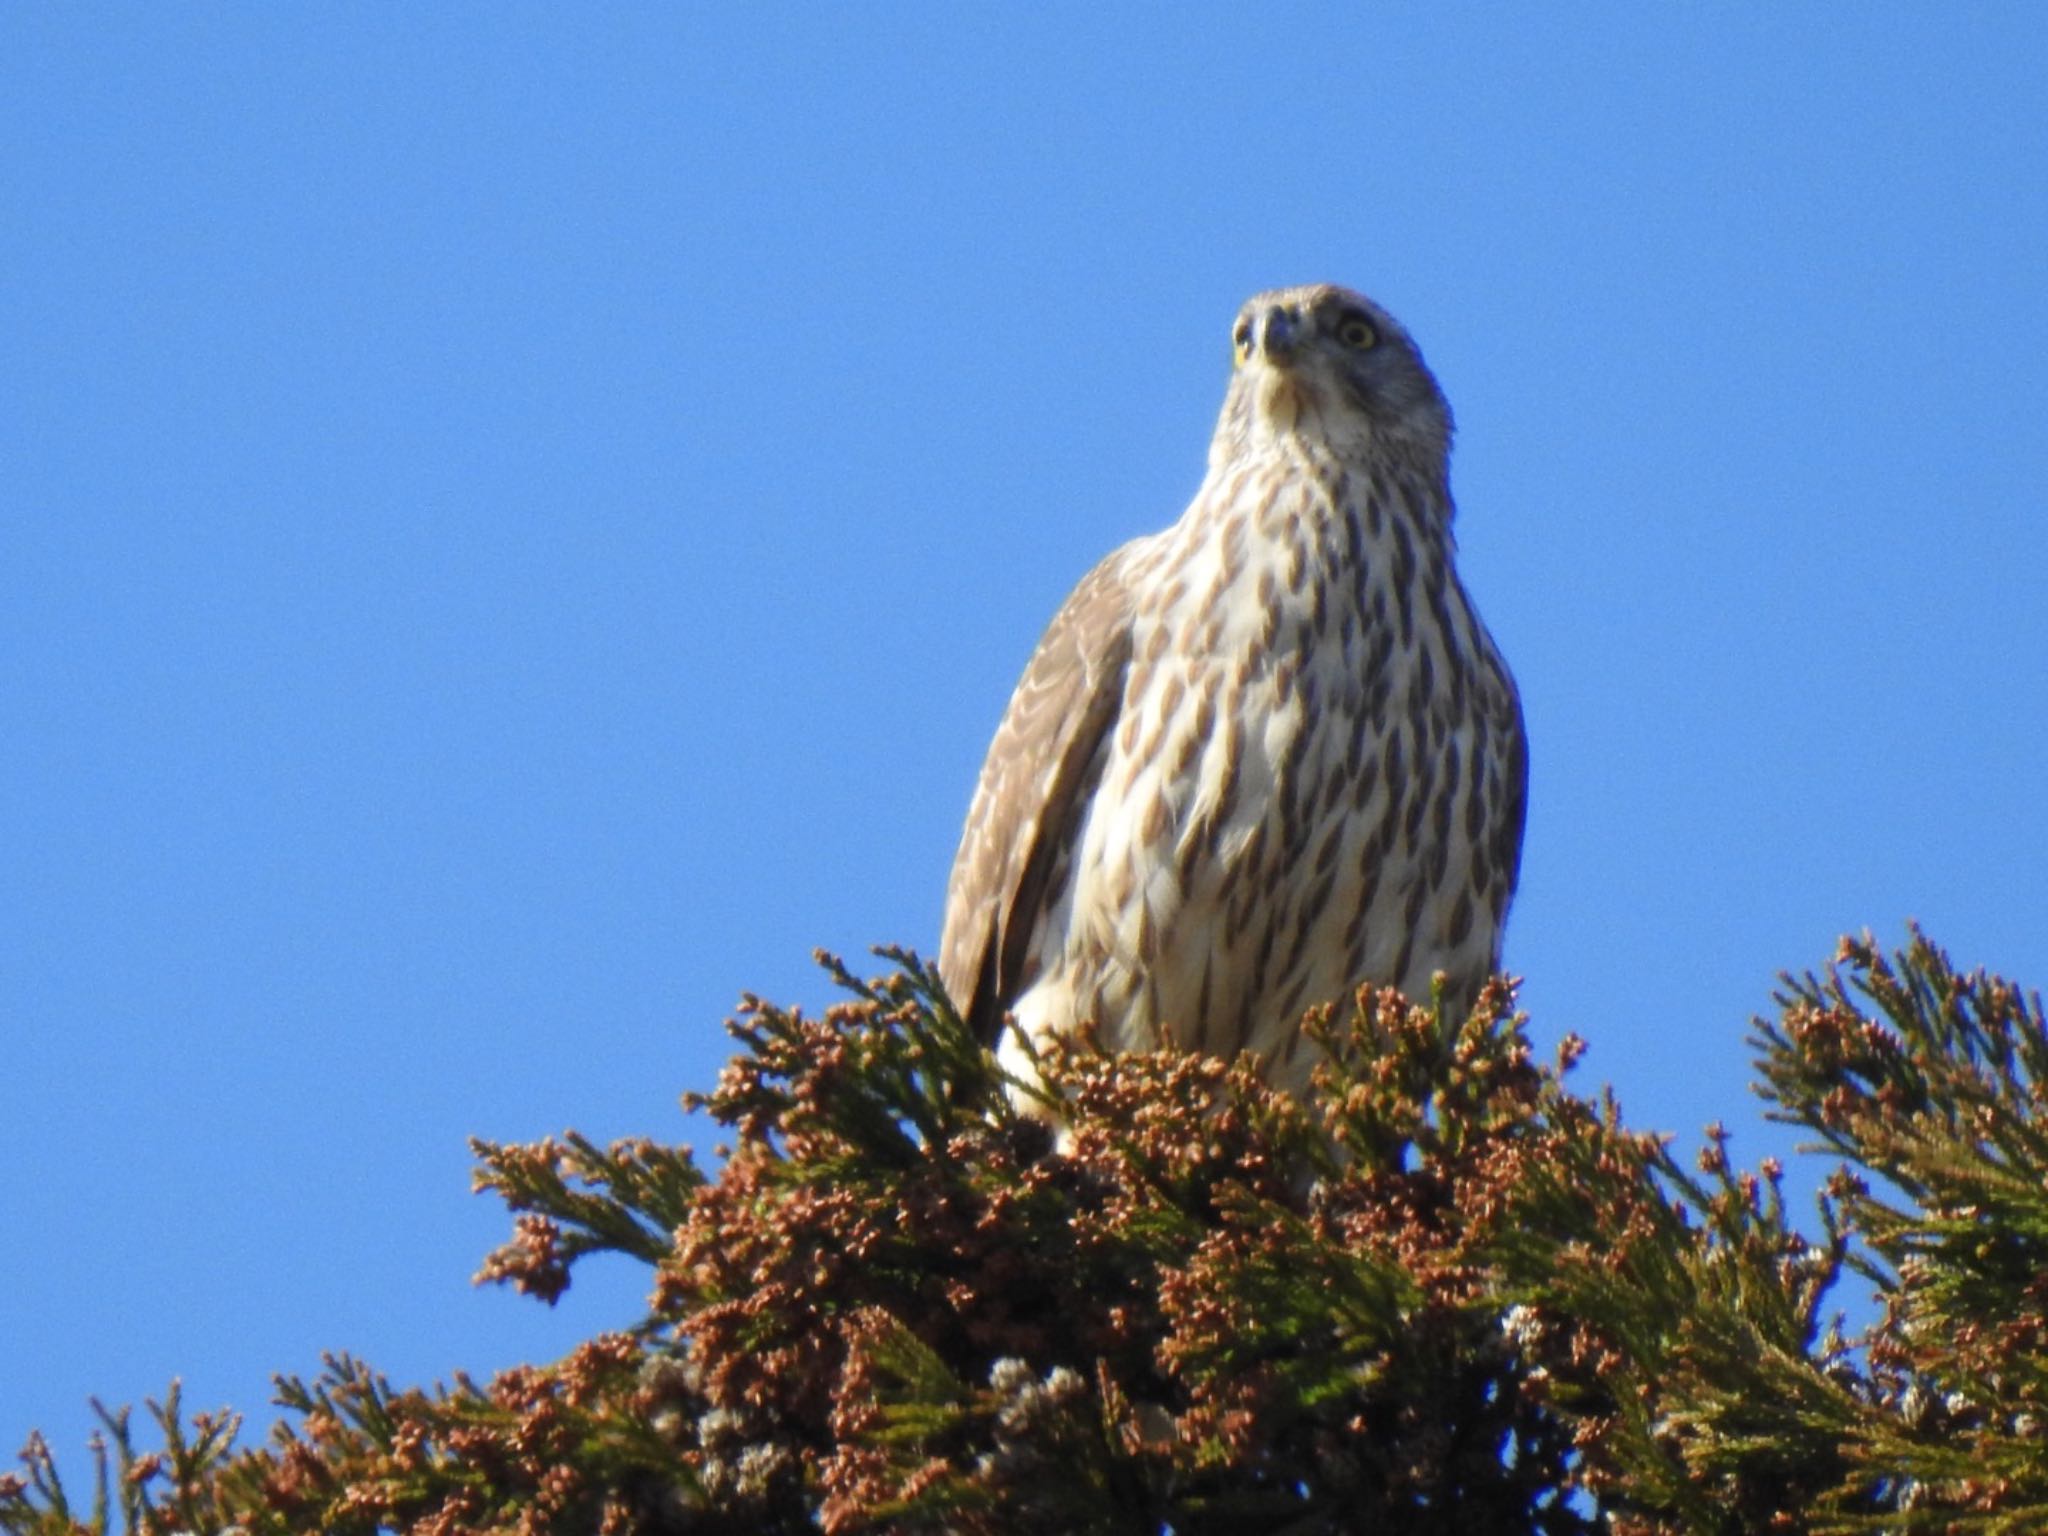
1033, 793
1263, 754
1514, 816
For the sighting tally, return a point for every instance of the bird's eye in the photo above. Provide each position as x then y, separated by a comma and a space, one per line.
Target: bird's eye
1241, 341
1356, 331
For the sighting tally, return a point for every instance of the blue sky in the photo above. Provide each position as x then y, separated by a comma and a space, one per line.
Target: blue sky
516, 523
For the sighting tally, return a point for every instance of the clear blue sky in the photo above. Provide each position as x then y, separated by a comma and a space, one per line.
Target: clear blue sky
518, 522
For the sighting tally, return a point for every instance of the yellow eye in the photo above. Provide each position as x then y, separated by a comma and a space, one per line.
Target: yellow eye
1355, 331
1241, 342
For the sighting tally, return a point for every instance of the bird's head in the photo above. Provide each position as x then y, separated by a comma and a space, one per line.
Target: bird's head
1324, 363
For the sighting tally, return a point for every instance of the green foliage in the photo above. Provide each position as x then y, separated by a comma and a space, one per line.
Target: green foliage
1933, 1090
1442, 1294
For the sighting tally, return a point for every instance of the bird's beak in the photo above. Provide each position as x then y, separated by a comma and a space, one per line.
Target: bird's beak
1279, 334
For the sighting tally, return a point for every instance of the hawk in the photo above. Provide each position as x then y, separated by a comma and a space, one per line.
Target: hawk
1265, 754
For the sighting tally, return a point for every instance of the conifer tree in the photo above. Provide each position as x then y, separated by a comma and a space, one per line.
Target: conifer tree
1445, 1293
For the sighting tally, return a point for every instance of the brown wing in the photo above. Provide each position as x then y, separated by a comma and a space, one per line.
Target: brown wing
1032, 796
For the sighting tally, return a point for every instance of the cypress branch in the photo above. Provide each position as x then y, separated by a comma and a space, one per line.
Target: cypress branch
1446, 1293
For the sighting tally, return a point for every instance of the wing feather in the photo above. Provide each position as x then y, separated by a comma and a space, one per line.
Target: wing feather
1032, 797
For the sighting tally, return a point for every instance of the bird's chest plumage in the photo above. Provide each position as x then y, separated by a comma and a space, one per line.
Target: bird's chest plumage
1295, 796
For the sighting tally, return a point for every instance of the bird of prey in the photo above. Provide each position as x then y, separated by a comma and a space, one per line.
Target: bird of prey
1265, 754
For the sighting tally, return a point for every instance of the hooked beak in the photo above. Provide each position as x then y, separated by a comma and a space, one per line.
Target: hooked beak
1277, 334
